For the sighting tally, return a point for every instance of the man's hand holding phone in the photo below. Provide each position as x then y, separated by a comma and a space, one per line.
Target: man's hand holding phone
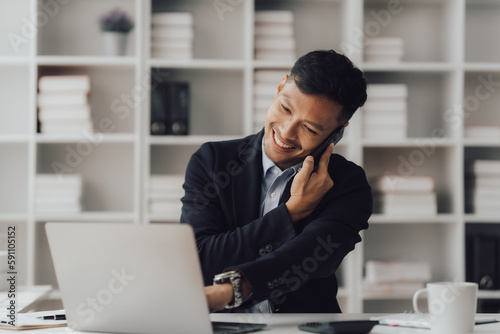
309, 186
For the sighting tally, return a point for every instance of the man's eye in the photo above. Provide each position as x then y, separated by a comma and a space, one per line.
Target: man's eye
310, 130
285, 108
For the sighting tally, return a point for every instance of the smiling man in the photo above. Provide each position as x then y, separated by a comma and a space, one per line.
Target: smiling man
271, 228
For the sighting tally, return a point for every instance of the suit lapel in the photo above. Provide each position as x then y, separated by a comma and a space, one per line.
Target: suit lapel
247, 184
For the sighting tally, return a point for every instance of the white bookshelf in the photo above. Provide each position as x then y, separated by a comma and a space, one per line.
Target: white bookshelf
449, 45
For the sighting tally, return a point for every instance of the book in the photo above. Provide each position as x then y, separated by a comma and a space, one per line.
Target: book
489, 132
393, 287
172, 18
159, 53
281, 43
173, 32
274, 16
278, 55
55, 180
61, 127
486, 167
389, 184
273, 29
386, 120
165, 182
172, 43
387, 106
62, 99
406, 199
269, 76
64, 83
386, 90
165, 207
387, 271
49, 113
265, 89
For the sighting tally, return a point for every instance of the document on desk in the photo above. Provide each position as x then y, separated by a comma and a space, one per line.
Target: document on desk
417, 320
34, 320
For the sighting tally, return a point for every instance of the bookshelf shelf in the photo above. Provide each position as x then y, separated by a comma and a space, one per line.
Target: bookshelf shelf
446, 56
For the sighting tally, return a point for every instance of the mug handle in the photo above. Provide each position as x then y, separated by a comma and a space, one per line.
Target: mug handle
415, 300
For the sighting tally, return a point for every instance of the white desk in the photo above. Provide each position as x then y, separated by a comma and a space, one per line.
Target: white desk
287, 323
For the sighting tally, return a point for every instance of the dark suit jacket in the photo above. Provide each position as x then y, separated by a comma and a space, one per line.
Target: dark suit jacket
294, 267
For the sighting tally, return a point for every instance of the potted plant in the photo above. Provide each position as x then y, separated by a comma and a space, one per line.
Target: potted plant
115, 26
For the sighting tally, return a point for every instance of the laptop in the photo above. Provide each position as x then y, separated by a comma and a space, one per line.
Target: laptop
126, 278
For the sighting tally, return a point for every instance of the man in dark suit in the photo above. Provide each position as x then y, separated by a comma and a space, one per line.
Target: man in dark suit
271, 228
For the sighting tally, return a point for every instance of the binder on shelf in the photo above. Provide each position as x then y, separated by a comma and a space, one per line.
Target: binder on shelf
170, 109
482, 260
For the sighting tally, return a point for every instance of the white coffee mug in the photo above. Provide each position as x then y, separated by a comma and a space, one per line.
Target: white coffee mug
452, 306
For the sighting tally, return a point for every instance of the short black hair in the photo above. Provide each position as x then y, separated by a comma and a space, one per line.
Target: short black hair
328, 73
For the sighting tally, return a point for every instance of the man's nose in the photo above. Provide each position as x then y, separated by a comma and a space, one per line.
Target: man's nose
289, 130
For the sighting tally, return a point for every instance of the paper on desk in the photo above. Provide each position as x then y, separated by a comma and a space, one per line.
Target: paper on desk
31, 320
419, 320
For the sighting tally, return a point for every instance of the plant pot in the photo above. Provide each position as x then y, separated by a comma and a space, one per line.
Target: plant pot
115, 43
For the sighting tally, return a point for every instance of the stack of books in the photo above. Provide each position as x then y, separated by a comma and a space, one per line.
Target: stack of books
404, 196
165, 193
274, 35
172, 35
487, 132
384, 49
487, 186
58, 194
63, 104
396, 277
265, 85
385, 112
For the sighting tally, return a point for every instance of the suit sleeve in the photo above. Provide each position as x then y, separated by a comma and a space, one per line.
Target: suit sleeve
327, 236
222, 244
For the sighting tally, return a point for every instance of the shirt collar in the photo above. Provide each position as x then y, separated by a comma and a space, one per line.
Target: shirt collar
267, 163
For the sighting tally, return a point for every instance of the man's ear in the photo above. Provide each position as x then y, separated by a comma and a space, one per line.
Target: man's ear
281, 84
346, 124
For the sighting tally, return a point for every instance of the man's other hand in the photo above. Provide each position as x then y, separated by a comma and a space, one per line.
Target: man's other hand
218, 296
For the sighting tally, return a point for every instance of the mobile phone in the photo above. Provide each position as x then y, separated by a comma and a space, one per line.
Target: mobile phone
334, 137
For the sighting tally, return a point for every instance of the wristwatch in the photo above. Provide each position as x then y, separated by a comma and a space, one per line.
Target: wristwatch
234, 278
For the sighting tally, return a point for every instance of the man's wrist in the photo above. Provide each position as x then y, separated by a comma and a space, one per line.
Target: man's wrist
295, 213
